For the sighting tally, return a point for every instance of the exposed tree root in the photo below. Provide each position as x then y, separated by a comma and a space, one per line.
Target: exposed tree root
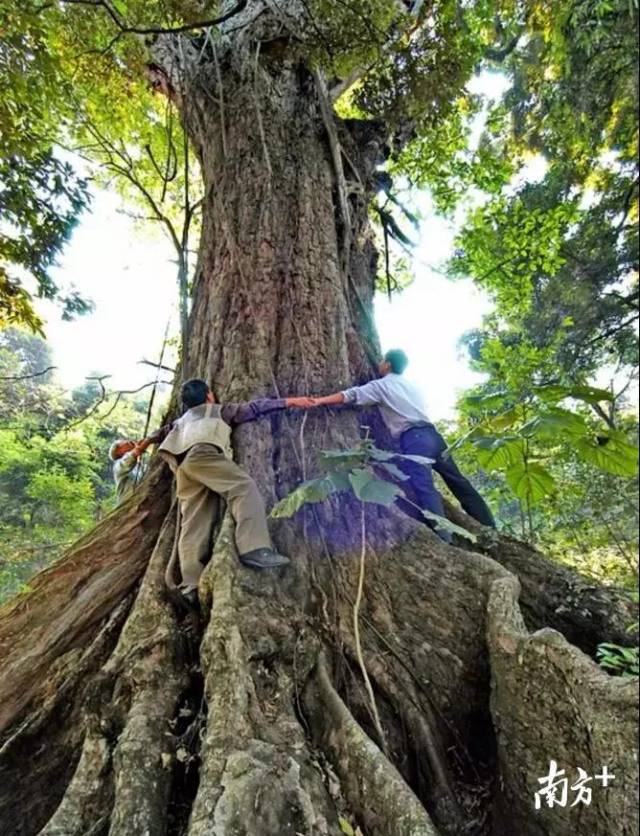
235, 738
149, 664
555, 596
429, 662
41, 752
67, 602
122, 779
257, 775
550, 701
375, 790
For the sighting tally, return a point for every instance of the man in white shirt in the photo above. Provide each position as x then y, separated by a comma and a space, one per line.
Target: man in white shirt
125, 456
402, 409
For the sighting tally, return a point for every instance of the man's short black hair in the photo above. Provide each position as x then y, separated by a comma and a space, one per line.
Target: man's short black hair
397, 359
194, 392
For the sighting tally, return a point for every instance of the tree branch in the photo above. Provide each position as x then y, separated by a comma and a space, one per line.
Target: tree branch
614, 330
499, 55
157, 30
156, 365
27, 376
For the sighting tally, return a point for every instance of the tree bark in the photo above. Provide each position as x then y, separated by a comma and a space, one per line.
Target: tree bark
122, 716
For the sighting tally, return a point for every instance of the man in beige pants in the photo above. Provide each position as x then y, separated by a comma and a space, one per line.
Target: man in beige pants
197, 447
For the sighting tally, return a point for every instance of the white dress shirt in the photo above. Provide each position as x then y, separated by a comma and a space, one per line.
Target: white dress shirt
401, 402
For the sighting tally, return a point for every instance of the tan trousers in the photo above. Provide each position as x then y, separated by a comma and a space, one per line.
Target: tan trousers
203, 476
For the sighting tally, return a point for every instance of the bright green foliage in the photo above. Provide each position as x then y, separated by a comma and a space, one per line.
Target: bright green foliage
69, 86
369, 488
82, 76
590, 519
512, 440
560, 255
622, 661
40, 195
557, 461
357, 470
55, 476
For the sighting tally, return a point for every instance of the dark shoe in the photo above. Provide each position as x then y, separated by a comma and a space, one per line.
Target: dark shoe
263, 559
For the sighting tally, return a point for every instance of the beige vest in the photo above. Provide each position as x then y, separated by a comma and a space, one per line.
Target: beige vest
199, 425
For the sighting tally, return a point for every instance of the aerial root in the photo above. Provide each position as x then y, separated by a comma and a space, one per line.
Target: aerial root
374, 789
421, 722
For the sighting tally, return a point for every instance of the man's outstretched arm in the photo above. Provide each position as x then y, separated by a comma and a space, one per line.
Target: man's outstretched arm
240, 413
367, 395
329, 400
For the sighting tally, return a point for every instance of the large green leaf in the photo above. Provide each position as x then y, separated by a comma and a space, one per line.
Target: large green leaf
368, 488
393, 470
553, 422
492, 401
553, 393
340, 480
447, 525
331, 459
380, 455
531, 483
504, 421
385, 456
498, 453
610, 453
314, 490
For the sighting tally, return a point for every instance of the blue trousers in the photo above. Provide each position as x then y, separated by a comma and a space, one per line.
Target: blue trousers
427, 441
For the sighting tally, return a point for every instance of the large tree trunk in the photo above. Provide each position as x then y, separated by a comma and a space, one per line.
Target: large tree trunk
121, 715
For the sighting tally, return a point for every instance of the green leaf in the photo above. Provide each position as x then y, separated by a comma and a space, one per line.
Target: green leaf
611, 454
503, 421
368, 488
314, 490
120, 6
531, 483
447, 525
380, 455
555, 392
393, 470
498, 453
329, 459
491, 401
340, 480
553, 422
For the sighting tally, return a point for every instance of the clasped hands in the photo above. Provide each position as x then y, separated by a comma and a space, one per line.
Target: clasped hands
302, 402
